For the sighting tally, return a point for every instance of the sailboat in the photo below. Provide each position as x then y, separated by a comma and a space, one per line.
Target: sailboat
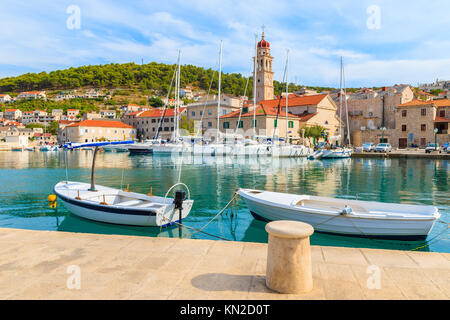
110, 205
47, 146
338, 152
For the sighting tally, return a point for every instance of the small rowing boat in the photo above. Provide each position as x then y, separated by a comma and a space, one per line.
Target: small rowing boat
342, 216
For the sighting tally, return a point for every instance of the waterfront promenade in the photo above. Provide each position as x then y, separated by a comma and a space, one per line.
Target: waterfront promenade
63, 265
404, 154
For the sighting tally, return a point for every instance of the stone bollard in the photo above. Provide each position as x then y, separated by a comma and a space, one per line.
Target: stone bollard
289, 257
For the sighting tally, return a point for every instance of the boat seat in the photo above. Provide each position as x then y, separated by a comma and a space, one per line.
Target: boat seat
325, 205
129, 203
145, 204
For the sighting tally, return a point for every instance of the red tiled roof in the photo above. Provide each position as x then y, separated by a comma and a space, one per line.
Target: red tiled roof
295, 101
65, 121
11, 110
30, 92
425, 93
415, 102
441, 119
156, 113
101, 123
442, 103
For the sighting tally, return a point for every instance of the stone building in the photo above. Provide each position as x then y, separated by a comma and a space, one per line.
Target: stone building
416, 122
204, 112
96, 130
271, 117
148, 122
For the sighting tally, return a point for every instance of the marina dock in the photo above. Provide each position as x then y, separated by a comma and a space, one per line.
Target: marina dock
65, 265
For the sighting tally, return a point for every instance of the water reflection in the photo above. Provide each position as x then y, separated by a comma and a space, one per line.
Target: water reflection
28, 177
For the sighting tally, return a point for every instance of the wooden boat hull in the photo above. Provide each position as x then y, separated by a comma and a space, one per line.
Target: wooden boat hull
157, 212
381, 221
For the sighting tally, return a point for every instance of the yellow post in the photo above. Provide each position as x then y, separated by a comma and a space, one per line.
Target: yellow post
151, 192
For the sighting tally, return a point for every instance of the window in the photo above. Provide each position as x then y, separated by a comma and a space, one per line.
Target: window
442, 113
171, 119
403, 127
166, 120
423, 141
153, 120
290, 124
171, 128
209, 113
210, 124
166, 129
226, 125
255, 123
240, 124
403, 113
423, 127
193, 113
423, 112
275, 124
370, 114
201, 113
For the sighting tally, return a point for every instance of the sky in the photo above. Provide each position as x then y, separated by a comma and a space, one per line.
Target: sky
382, 42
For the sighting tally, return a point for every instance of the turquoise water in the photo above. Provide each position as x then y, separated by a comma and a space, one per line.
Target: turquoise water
27, 178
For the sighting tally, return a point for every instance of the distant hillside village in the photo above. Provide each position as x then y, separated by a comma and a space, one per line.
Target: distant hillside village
401, 115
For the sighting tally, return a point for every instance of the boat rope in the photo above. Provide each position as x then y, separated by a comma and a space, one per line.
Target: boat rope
328, 220
241, 104
219, 213
161, 119
206, 101
427, 243
201, 229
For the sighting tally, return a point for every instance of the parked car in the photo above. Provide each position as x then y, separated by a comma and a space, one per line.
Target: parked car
445, 148
383, 147
368, 147
431, 147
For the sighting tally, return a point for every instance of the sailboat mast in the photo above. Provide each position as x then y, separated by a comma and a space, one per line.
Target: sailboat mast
254, 85
177, 106
218, 100
340, 106
346, 106
287, 94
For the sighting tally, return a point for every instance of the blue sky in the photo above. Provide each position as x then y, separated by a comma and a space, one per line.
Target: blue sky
408, 42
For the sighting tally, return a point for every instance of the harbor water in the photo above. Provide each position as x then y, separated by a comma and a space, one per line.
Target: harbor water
28, 177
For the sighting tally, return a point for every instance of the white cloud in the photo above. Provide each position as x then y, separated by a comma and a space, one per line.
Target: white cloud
411, 46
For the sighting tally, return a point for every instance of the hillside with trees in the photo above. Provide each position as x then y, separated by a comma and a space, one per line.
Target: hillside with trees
153, 78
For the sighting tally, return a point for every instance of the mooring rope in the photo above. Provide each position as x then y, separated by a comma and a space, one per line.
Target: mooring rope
201, 229
427, 243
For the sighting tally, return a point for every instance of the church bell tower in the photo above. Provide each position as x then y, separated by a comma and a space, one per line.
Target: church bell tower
264, 73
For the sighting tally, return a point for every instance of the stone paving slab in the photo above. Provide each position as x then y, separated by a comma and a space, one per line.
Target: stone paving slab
40, 265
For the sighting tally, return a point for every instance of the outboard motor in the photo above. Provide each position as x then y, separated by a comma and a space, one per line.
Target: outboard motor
180, 196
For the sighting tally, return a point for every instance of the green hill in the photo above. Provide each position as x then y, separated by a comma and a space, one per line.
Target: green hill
151, 78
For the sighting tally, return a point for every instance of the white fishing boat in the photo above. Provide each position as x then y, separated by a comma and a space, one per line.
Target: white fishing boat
110, 205
342, 216
48, 147
336, 153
